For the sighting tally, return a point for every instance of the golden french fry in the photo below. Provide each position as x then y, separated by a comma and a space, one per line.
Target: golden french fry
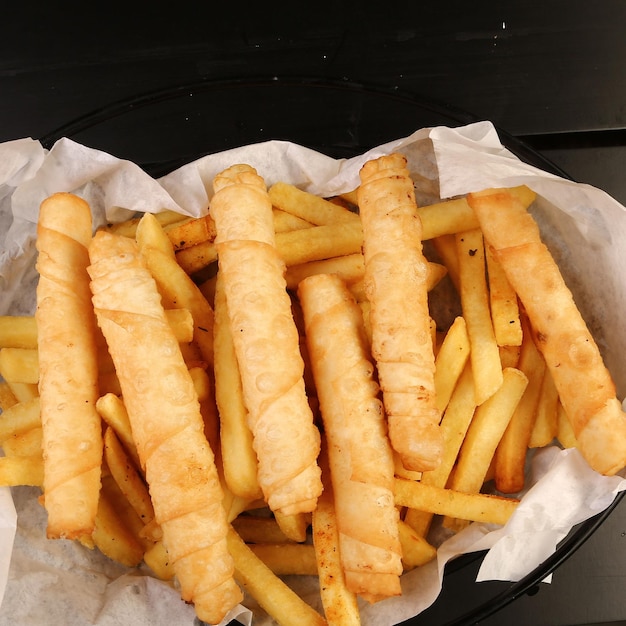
349, 268
477, 507
24, 444
486, 429
21, 470
189, 232
446, 248
416, 551
128, 227
156, 558
450, 362
181, 322
284, 221
308, 206
127, 477
20, 418
546, 421
197, 257
18, 331
112, 410
239, 460
294, 559
7, 397
272, 594
23, 392
319, 242
294, 526
20, 365
512, 449
484, 352
257, 529
112, 534
565, 431
505, 314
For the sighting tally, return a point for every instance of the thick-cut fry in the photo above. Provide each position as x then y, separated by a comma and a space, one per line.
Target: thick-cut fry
546, 422
349, 268
266, 342
112, 410
505, 315
7, 397
340, 604
18, 331
484, 352
308, 206
565, 432
293, 559
20, 365
395, 283
239, 460
175, 286
190, 232
20, 418
416, 551
127, 477
294, 525
512, 449
128, 227
359, 454
272, 594
24, 444
196, 258
167, 425
486, 429
585, 386
284, 221
68, 373
477, 507
21, 470
257, 529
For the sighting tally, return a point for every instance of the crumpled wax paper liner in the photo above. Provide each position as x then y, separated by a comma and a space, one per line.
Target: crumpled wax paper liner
584, 227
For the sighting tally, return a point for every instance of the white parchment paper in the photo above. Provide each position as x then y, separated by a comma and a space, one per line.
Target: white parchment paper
583, 226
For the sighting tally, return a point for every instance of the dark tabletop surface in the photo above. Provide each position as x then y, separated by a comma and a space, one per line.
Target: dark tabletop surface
550, 74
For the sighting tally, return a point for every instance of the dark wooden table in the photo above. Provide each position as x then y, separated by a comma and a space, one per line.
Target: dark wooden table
551, 74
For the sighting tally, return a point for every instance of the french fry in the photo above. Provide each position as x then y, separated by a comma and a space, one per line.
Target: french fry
416, 551
505, 315
294, 526
20, 365
484, 352
156, 558
477, 507
7, 397
284, 221
112, 410
340, 604
18, 331
188, 233
21, 470
197, 257
486, 429
308, 206
512, 449
23, 392
272, 594
24, 444
294, 559
545, 427
446, 248
20, 418
127, 477
239, 460
565, 431
319, 242
349, 267
257, 529
128, 228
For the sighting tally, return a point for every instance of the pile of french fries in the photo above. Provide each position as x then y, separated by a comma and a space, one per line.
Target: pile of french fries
496, 396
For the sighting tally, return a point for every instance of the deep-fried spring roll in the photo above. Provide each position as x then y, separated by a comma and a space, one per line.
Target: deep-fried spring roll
359, 453
585, 386
164, 412
396, 285
266, 341
68, 370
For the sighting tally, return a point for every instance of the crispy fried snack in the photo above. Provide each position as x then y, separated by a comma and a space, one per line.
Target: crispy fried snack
585, 386
167, 425
360, 456
266, 342
68, 371
396, 285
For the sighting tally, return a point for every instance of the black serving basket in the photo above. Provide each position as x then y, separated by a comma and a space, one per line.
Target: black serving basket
165, 129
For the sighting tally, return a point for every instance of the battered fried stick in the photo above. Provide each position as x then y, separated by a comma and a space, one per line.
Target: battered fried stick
167, 425
359, 453
266, 342
585, 386
68, 371
396, 286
